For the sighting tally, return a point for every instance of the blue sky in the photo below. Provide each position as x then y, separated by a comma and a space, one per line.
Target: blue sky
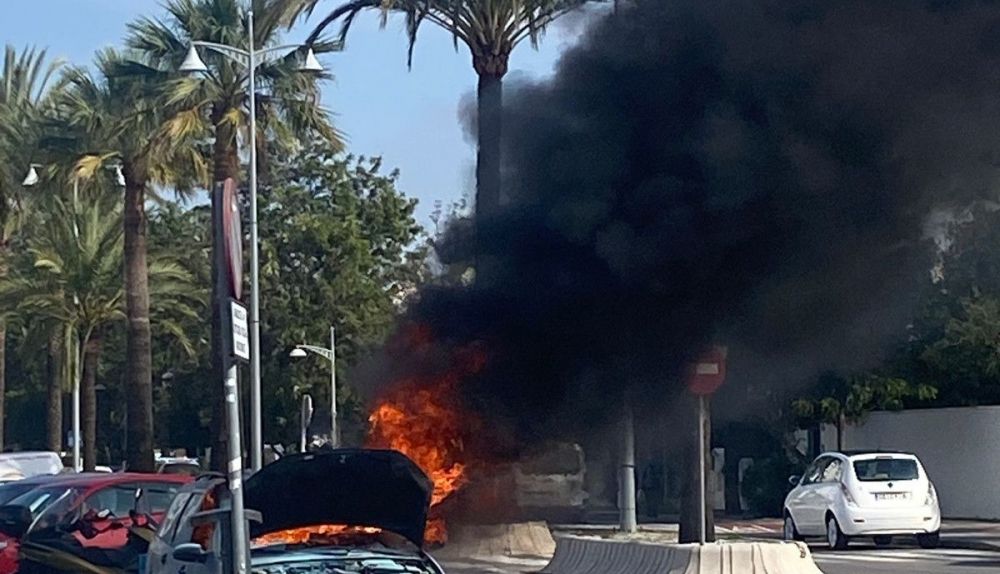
408, 117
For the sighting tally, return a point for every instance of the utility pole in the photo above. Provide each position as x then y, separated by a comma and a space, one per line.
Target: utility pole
626, 474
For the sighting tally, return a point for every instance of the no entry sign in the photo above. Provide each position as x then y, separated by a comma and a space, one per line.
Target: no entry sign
707, 374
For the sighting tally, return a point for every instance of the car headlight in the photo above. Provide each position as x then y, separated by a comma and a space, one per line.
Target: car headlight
931, 495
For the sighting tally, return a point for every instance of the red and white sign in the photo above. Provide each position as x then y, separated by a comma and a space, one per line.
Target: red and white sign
707, 374
233, 237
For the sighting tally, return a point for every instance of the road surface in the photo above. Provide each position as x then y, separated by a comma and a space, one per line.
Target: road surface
869, 560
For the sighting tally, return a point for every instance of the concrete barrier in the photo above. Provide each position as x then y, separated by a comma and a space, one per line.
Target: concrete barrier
482, 540
578, 555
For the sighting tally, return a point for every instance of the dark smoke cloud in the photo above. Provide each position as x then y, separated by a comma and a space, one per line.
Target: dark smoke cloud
753, 172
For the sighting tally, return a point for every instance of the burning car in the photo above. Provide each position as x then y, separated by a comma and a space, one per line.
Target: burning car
343, 510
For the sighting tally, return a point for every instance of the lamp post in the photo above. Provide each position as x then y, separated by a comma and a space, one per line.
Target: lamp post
74, 348
251, 59
331, 355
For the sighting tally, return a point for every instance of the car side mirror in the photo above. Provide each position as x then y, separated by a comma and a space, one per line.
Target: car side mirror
190, 552
14, 520
794, 480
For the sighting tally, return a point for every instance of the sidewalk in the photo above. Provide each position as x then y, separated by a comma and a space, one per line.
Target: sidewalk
959, 534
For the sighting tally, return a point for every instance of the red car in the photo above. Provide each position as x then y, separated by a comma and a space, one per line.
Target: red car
63, 500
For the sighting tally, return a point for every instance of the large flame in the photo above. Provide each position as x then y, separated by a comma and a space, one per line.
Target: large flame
314, 534
421, 417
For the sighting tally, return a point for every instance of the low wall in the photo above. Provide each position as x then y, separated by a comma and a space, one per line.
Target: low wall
959, 447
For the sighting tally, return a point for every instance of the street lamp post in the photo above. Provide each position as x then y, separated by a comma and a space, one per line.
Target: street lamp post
251, 58
74, 347
331, 355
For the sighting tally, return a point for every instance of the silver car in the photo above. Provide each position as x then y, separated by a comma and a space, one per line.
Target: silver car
344, 510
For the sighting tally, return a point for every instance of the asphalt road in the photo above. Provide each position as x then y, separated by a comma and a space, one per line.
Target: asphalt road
866, 559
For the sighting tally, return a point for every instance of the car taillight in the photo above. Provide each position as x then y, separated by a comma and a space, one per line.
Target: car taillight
931, 495
847, 494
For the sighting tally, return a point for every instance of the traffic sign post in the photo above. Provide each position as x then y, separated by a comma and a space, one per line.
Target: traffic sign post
227, 240
705, 376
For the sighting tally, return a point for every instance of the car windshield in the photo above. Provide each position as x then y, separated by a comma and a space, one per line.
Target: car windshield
48, 504
12, 490
884, 469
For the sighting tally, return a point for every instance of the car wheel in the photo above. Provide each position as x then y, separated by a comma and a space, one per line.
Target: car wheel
929, 540
835, 537
789, 530
883, 540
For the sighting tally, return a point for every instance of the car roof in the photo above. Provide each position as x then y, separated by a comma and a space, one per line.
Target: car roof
95, 479
870, 453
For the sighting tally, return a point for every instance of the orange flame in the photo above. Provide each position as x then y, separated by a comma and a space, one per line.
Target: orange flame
421, 417
311, 533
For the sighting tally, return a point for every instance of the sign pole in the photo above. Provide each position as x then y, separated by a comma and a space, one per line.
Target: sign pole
227, 244
701, 469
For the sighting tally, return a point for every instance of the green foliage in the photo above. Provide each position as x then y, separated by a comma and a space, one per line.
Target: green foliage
765, 484
491, 29
837, 399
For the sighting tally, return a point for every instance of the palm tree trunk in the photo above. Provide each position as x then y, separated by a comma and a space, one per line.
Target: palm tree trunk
226, 165
489, 118
138, 346
88, 401
54, 397
490, 111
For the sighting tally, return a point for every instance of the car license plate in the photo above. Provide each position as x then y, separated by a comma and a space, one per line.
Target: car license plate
891, 496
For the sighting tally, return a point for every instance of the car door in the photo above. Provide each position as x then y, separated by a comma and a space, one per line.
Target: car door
809, 519
828, 489
798, 499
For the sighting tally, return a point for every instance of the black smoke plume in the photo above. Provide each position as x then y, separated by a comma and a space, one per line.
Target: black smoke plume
752, 172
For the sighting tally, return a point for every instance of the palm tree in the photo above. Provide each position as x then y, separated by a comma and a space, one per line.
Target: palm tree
288, 109
491, 29
111, 119
74, 281
24, 96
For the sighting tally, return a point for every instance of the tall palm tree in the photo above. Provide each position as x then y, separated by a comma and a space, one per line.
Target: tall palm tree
491, 29
115, 118
74, 281
25, 82
288, 107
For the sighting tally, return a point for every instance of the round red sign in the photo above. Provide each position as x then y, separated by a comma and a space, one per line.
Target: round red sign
233, 234
707, 374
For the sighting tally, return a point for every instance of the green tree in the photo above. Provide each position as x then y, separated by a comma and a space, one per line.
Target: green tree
115, 118
287, 110
25, 96
840, 400
74, 281
340, 242
490, 29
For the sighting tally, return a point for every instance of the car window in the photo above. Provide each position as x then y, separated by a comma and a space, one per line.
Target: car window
169, 524
12, 490
814, 473
832, 471
157, 496
885, 469
119, 499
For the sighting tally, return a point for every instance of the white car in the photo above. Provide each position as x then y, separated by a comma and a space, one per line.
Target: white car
850, 494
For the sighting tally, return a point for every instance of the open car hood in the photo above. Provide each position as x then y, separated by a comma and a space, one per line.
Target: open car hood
354, 487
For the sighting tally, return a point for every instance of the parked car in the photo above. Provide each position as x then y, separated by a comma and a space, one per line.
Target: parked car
344, 510
178, 465
20, 465
88, 515
844, 495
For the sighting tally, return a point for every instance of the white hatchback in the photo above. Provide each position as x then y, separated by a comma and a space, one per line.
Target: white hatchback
850, 494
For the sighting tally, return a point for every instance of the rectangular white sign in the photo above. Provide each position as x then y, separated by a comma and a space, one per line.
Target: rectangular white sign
241, 331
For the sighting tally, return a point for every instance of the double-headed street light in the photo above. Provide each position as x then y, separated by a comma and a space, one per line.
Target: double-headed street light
331, 355
251, 59
31, 179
